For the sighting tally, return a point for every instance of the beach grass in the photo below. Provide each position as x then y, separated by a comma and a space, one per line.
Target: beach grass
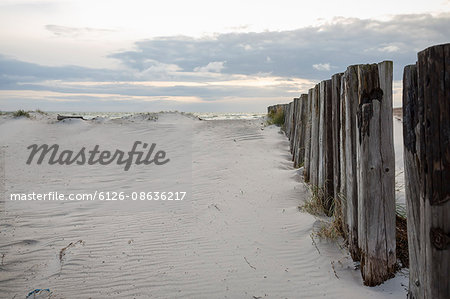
332, 229
276, 117
314, 205
41, 112
21, 113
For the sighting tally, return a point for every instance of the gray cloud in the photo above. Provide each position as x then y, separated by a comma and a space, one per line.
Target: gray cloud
313, 53
12, 70
294, 53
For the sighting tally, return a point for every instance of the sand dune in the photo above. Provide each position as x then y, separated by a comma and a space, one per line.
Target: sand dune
240, 234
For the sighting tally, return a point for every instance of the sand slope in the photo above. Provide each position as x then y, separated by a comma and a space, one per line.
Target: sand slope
242, 235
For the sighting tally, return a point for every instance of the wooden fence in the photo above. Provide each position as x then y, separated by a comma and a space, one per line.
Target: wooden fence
341, 132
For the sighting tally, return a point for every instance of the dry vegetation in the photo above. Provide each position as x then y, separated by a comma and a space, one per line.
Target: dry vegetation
401, 235
20, 113
313, 206
333, 229
276, 117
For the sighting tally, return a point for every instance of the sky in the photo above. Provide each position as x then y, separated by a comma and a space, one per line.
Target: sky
199, 55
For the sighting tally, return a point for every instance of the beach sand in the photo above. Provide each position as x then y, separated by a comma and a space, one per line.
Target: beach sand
239, 235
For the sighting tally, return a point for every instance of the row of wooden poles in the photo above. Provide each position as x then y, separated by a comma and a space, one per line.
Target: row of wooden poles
341, 132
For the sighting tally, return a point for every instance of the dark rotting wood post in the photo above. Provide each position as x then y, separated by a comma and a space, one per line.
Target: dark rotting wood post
412, 130
431, 138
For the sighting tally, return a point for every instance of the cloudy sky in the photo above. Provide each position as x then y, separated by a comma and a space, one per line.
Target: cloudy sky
199, 55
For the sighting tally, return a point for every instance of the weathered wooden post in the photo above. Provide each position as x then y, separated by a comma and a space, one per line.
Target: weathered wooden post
350, 103
303, 119
307, 167
299, 154
295, 124
321, 145
342, 155
335, 130
294, 104
340, 208
325, 171
315, 117
286, 118
294, 132
411, 135
427, 141
376, 175
328, 150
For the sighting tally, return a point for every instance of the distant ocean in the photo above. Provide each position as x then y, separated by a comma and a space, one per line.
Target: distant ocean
202, 115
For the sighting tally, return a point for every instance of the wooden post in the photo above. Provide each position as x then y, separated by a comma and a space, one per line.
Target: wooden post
328, 150
411, 135
342, 155
294, 107
299, 146
303, 120
314, 162
385, 75
291, 132
291, 122
325, 168
376, 175
336, 127
350, 103
294, 132
286, 119
321, 144
432, 172
307, 167
340, 209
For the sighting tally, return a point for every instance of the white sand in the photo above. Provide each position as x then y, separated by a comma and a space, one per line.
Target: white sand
240, 235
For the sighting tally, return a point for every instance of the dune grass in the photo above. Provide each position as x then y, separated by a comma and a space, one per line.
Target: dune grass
21, 113
41, 112
276, 117
333, 228
330, 230
313, 206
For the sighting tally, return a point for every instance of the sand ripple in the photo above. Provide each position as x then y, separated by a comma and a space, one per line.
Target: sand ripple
243, 236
